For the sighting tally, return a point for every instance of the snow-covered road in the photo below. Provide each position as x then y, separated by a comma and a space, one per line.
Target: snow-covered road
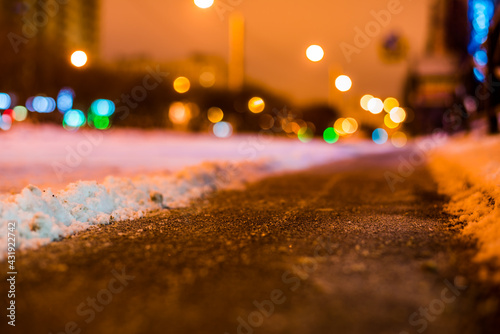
55, 182
49, 156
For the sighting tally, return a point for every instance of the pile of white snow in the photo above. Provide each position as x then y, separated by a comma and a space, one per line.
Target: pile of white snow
467, 169
148, 170
42, 215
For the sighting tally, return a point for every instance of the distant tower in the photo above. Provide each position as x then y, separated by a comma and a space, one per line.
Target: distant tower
236, 52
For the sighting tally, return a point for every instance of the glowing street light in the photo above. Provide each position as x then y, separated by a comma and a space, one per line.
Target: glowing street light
179, 113
343, 83
215, 115
203, 4
390, 103
256, 105
389, 122
364, 101
315, 53
397, 115
375, 105
349, 125
79, 58
182, 85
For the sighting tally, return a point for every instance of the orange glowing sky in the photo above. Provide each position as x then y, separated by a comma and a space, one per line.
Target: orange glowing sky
278, 33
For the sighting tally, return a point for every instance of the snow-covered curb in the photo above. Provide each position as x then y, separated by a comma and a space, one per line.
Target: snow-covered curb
467, 169
42, 216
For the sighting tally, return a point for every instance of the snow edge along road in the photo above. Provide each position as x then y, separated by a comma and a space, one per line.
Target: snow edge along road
467, 170
42, 216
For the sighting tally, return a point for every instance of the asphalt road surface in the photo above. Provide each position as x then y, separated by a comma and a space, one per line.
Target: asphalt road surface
328, 250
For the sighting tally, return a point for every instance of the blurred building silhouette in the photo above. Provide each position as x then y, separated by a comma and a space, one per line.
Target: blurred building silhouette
434, 78
40, 37
203, 70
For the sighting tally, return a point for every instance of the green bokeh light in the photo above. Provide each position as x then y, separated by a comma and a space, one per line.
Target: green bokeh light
101, 122
305, 134
330, 135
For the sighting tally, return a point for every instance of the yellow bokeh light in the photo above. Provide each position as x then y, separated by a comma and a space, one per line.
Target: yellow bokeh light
207, 79
215, 115
364, 101
204, 3
389, 123
20, 113
399, 139
79, 58
315, 53
343, 83
375, 105
182, 85
398, 115
287, 126
390, 103
256, 105
179, 113
349, 125
295, 127
338, 126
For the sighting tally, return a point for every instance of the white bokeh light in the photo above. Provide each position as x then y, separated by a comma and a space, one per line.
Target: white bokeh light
375, 106
315, 53
204, 3
79, 58
343, 83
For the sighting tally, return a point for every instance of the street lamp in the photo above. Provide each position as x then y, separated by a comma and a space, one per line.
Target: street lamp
256, 105
204, 3
343, 83
315, 53
375, 105
236, 62
79, 58
182, 85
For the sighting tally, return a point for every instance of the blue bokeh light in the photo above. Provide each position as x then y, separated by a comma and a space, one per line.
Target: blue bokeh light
5, 101
43, 104
480, 15
65, 99
223, 130
74, 119
103, 107
479, 75
481, 58
380, 136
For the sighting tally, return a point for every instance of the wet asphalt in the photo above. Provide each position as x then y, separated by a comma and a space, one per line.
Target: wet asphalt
328, 250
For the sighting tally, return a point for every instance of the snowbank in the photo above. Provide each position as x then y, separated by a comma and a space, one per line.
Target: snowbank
173, 166
468, 170
43, 216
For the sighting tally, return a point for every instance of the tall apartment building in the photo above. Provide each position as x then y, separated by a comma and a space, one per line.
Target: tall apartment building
37, 38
